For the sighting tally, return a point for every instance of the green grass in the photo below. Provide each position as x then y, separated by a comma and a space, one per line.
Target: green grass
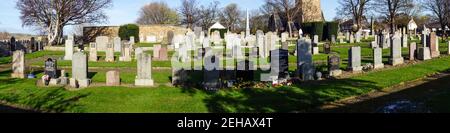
146, 44
169, 99
6, 60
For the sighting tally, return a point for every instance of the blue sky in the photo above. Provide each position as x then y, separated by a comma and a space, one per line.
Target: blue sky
126, 11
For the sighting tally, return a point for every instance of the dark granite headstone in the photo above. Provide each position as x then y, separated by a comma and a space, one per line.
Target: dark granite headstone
211, 77
12, 44
246, 73
51, 68
327, 48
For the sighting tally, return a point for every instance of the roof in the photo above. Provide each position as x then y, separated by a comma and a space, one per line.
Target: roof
217, 25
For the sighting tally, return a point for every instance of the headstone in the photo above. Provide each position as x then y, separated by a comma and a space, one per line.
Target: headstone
448, 48
334, 62
144, 70
284, 36
351, 40
112, 78
412, 51
163, 54
434, 47
69, 49
79, 71
138, 51
109, 53
378, 58
285, 45
280, 66
211, 74
50, 68
424, 53
354, 59
333, 39
358, 37
305, 66
316, 40
117, 44
197, 32
396, 51
405, 41
102, 43
132, 40
125, 54
156, 49
327, 48
93, 52
18, 64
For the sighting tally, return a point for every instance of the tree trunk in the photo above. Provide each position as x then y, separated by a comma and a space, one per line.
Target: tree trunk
290, 28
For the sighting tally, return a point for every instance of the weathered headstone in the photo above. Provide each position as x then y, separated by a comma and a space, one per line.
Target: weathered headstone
69, 49
144, 70
156, 49
280, 63
412, 51
284, 36
396, 51
378, 58
50, 68
305, 66
334, 62
79, 71
351, 40
327, 48
93, 52
354, 59
434, 46
117, 44
102, 43
109, 53
18, 64
112, 78
423, 53
125, 54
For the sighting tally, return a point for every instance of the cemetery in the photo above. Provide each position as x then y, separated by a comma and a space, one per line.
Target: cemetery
215, 70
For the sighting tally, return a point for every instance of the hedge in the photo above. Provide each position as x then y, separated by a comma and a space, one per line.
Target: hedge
323, 30
128, 30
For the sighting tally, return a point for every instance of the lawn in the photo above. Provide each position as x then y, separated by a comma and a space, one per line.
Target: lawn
297, 98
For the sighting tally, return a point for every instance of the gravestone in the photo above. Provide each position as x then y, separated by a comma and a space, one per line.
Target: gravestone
327, 48
412, 51
305, 66
12, 44
285, 45
341, 40
405, 41
69, 48
448, 51
144, 70
358, 37
354, 59
109, 53
112, 78
347, 36
254, 52
211, 74
315, 40
334, 62
333, 39
197, 32
260, 44
378, 58
138, 51
351, 40
206, 42
132, 40
396, 51
280, 66
163, 54
125, 54
50, 68
423, 53
102, 43
434, 45
18, 64
93, 52
117, 44
245, 71
79, 71
284, 36
156, 49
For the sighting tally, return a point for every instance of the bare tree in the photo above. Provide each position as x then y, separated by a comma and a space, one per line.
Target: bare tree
53, 15
209, 14
390, 9
230, 16
356, 9
157, 13
189, 11
440, 9
288, 9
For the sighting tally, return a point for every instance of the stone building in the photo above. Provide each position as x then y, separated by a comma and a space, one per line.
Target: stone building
311, 11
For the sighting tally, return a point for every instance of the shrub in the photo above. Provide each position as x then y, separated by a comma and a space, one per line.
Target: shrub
128, 30
314, 28
331, 28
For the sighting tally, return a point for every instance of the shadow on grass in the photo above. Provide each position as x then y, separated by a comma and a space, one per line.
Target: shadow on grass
286, 99
418, 94
10, 109
91, 74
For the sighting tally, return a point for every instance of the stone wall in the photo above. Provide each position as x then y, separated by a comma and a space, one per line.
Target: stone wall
163, 33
